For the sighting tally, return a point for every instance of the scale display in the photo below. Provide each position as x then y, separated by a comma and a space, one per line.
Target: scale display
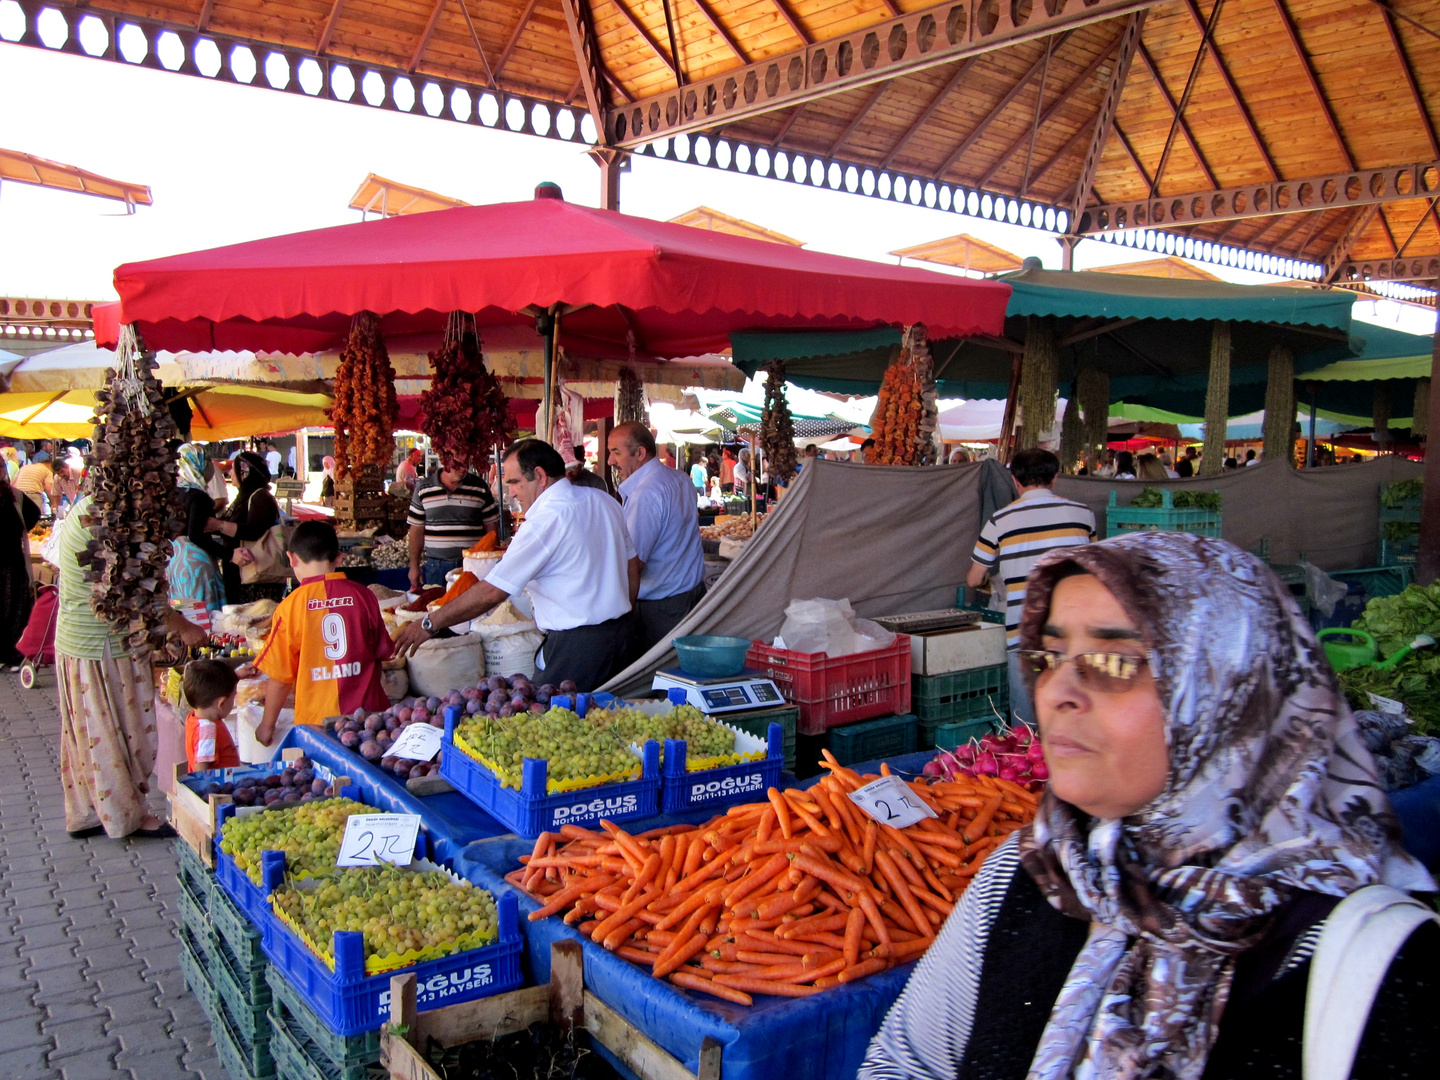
721, 695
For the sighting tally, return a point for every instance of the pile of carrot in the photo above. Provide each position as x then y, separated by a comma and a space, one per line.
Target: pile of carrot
789, 896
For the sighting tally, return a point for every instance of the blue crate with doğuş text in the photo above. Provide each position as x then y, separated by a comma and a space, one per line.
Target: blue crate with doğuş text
350, 1001
726, 784
531, 810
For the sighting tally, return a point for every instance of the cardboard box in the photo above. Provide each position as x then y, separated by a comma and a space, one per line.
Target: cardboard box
942, 651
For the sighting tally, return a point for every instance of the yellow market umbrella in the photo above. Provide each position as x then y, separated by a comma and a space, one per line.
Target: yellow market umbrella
220, 412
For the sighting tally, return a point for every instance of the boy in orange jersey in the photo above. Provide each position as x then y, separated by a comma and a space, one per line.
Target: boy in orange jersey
327, 638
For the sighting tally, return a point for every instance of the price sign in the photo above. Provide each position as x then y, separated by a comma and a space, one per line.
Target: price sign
890, 802
1386, 705
371, 839
418, 742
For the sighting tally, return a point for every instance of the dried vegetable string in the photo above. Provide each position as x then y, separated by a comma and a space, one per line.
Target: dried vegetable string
365, 410
906, 411
777, 428
464, 411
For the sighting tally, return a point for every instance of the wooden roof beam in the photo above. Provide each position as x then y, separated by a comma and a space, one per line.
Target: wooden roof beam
326, 34
719, 28
587, 57
1332, 191
1131, 154
1206, 43
796, 27
424, 41
1174, 108
514, 39
1308, 70
1105, 120
1340, 250
858, 118
994, 114
203, 19
1061, 154
929, 111
786, 126
1416, 269
911, 42
1081, 81
1407, 70
645, 36
1234, 91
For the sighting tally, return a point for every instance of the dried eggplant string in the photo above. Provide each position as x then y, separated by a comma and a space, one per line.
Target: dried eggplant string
777, 427
464, 412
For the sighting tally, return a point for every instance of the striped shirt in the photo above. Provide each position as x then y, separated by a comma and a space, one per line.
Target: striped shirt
1017, 535
452, 520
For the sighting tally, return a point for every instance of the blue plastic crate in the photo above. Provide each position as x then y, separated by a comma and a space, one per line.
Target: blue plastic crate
1163, 518
351, 1002
871, 740
531, 811
681, 791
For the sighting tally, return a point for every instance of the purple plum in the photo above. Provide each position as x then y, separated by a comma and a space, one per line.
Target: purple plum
371, 750
350, 740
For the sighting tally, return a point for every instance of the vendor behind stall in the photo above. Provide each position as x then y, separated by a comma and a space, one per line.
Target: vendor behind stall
661, 519
575, 559
452, 508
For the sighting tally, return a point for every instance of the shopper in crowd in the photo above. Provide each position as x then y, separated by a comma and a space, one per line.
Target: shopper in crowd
742, 473
661, 520
452, 508
667, 456
727, 470
1124, 465
1210, 803
1015, 538
866, 448
1168, 466
252, 514
69, 476
699, 477
327, 482
1149, 468
579, 475
107, 705
209, 687
18, 516
194, 570
959, 456
37, 481
327, 638
272, 459
1250, 458
1107, 465
1231, 463
407, 472
1185, 468
811, 453
12, 462
574, 559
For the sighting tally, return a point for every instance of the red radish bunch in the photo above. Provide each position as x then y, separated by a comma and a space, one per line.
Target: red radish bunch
1015, 756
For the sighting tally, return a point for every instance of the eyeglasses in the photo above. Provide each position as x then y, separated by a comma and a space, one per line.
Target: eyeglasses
1106, 672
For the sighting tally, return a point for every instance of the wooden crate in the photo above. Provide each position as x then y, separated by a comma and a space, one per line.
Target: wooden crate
565, 1002
362, 506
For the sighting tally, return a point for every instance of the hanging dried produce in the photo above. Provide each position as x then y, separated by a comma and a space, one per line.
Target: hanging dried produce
365, 409
629, 398
905, 418
463, 412
777, 429
134, 510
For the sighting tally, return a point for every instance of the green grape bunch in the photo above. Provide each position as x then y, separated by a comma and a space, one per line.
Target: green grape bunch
398, 910
574, 749
705, 737
309, 834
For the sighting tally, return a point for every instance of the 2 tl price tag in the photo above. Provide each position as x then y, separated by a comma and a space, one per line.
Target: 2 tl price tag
890, 802
418, 742
371, 839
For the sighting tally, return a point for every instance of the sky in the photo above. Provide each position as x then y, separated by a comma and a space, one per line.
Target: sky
228, 163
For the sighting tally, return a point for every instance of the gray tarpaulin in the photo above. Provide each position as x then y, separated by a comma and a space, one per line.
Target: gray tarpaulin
889, 538
894, 539
1331, 514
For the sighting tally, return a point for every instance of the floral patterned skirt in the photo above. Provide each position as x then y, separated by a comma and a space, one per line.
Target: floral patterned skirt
107, 741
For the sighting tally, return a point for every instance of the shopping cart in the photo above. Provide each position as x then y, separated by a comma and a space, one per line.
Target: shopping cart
37, 643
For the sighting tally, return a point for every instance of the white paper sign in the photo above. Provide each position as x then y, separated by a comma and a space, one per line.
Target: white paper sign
891, 802
418, 742
1386, 705
371, 839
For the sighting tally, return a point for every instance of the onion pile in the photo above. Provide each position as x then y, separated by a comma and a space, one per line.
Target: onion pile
1015, 756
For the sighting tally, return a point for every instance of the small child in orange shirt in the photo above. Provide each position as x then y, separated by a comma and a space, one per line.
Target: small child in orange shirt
209, 686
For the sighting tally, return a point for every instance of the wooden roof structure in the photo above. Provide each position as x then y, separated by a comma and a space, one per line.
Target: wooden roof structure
1168, 267
1295, 136
703, 217
24, 168
390, 198
964, 252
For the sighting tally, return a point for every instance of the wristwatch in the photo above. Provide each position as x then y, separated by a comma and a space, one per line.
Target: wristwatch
427, 625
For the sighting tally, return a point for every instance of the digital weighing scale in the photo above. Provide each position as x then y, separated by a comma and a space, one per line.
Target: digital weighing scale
726, 694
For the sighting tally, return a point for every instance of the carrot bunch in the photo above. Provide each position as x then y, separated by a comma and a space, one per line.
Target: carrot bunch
787, 897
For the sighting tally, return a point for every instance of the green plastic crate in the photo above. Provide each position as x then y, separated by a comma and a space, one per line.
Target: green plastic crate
870, 740
247, 981
242, 1062
298, 1058
239, 996
239, 934
758, 724
1379, 580
1164, 518
339, 1051
194, 965
987, 615
1399, 552
195, 912
194, 873
948, 734
979, 693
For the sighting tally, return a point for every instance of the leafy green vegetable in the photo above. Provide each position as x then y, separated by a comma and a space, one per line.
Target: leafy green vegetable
1394, 621
1399, 530
1150, 498
1397, 494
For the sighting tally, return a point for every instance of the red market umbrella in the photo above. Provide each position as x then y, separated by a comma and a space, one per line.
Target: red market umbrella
678, 290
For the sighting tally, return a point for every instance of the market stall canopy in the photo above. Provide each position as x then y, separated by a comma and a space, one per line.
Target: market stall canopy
1237, 428
964, 252
1151, 335
219, 412
672, 290
390, 198
1167, 267
703, 217
22, 168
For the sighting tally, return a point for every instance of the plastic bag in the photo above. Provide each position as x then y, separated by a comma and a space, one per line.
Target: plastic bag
830, 627
1324, 591
247, 719
444, 664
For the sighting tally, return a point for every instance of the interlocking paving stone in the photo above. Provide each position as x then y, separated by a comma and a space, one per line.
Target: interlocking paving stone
89, 983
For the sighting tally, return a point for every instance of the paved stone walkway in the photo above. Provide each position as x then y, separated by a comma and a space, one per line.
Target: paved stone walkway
90, 984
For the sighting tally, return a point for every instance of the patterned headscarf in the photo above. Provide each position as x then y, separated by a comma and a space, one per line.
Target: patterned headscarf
192, 467
1270, 793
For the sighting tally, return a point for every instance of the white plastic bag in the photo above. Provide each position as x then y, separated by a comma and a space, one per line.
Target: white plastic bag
1325, 592
444, 664
830, 627
247, 719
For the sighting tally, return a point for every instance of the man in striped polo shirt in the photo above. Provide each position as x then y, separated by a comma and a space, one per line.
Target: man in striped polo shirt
451, 509
1013, 540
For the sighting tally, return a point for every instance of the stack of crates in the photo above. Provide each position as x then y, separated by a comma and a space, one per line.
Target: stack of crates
241, 1021
197, 938
305, 1048
757, 722
1402, 550
955, 707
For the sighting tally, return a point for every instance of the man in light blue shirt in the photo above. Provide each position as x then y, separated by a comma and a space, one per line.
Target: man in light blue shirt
660, 515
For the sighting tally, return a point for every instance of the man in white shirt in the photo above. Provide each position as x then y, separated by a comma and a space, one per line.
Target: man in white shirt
663, 524
574, 558
272, 460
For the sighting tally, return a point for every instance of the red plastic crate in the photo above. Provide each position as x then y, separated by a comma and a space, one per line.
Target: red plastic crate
831, 691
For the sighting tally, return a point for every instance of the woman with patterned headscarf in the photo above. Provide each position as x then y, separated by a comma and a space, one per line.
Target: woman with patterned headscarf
194, 570
251, 514
1210, 804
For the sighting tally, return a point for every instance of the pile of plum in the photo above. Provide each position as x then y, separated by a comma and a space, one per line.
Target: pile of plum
295, 784
498, 696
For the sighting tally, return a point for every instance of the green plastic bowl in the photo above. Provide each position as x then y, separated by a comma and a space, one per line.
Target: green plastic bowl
709, 656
